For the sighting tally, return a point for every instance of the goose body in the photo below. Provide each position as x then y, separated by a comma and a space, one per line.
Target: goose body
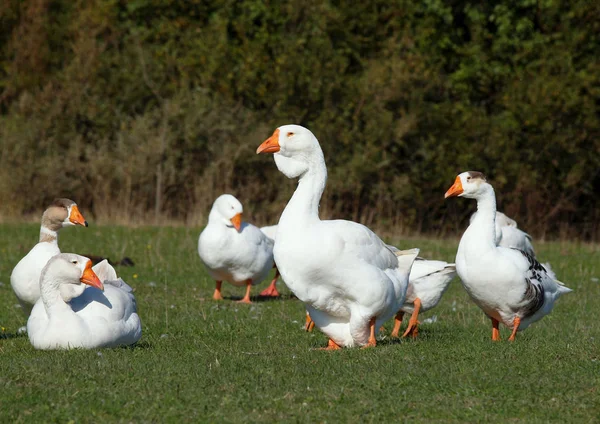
348, 279
232, 250
25, 277
69, 315
509, 235
427, 283
509, 285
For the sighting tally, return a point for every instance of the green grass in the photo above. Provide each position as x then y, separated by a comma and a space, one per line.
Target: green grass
201, 360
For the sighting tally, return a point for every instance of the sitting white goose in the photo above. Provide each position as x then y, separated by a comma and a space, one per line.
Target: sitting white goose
70, 314
25, 277
509, 235
348, 279
509, 285
232, 250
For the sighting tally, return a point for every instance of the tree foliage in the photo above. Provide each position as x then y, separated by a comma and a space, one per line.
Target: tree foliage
151, 108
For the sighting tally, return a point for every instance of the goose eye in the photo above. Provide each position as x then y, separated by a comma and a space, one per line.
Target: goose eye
290, 134
74, 262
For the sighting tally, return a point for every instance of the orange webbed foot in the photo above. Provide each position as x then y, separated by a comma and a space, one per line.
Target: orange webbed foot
331, 345
270, 291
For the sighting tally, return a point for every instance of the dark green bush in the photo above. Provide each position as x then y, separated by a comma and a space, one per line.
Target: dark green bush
147, 110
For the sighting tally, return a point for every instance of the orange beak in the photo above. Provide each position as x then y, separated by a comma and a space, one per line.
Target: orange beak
456, 188
90, 278
76, 217
237, 221
270, 145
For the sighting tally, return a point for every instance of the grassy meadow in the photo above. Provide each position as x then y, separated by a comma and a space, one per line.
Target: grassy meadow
206, 361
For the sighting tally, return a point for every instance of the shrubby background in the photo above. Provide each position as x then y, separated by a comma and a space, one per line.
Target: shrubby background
144, 111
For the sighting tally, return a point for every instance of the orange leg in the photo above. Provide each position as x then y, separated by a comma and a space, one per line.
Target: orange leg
397, 324
272, 289
217, 293
495, 330
246, 298
516, 324
309, 324
372, 341
413, 324
331, 345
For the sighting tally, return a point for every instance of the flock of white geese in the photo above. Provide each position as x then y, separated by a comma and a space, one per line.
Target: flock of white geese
349, 280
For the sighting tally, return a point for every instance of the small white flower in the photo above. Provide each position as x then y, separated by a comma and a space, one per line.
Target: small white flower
430, 320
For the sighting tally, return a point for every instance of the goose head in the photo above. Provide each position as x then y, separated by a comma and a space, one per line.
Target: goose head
295, 148
228, 211
69, 274
470, 184
62, 213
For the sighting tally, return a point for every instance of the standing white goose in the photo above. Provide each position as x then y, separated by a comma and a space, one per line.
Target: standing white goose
428, 281
69, 315
25, 277
348, 279
509, 235
232, 250
509, 285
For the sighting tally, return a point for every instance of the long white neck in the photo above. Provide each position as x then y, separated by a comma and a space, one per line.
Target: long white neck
47, 235
481, 234
52, 298
303, 207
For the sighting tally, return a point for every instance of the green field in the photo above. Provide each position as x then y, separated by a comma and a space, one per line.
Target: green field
206, 361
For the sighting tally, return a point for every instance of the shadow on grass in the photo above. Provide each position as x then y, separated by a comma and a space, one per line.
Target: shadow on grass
136, 346
259, 298
12, 335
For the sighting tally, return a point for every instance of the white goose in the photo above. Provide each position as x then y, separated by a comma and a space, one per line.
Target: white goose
509, 235
232, 250
348, 279
25, 277
271, 231
69, 315
427, 283
509, 285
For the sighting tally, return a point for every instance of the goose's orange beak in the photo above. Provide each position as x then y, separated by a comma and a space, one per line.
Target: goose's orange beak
76, 217
270, 145
456, 188
90, 278
237, 221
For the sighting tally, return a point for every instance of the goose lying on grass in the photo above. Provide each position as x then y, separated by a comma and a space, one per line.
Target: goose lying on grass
77, 310
25, 277
348, 279
509, 285
232, 250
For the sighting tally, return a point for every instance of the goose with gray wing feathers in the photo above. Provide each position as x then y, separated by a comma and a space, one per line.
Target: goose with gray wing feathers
509, 285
